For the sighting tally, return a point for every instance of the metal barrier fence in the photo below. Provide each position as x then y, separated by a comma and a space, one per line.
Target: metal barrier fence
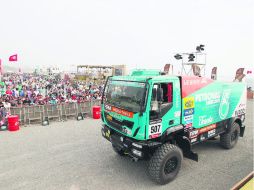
59, 112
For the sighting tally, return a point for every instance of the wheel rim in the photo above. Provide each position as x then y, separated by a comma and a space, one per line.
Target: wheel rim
234, 136
171, 165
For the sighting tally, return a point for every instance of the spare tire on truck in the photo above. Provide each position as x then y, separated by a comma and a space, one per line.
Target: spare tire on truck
165, 163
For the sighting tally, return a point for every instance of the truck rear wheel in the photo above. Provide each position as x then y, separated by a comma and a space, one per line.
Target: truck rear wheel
229, 139
165, 163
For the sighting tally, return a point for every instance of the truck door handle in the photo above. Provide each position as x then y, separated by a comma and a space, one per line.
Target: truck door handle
171, 122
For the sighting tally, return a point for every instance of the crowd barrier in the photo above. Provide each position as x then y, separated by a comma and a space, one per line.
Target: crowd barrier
60, 112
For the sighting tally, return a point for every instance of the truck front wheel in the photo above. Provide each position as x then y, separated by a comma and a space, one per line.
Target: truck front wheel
229, 139
165, 163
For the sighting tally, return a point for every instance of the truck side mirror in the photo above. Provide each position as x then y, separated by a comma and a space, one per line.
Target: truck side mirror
159, 94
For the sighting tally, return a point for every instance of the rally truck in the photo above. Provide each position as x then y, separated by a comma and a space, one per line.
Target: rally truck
156, 117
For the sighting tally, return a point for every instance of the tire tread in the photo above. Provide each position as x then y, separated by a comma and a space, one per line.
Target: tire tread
225, 139
157, 158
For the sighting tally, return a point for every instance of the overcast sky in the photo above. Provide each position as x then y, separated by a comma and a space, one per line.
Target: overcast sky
134, 32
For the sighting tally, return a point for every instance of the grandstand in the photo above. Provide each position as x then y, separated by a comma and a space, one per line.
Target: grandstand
99, 72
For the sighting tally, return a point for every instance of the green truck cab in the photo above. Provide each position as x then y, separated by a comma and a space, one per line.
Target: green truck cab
156, 117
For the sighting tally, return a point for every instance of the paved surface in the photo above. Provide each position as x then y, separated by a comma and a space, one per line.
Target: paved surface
73, 155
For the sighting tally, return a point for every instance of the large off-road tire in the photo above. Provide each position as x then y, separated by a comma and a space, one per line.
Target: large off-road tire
229, 139
119, 152
165, 163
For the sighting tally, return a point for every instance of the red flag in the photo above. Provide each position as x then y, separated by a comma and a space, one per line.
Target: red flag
214, 73
168, 68
239, 74
196, 69
1, 69
13, 57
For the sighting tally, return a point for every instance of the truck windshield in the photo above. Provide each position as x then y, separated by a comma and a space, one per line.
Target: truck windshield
125, 94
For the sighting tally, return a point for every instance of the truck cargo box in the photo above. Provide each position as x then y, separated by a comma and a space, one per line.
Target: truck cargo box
205, 102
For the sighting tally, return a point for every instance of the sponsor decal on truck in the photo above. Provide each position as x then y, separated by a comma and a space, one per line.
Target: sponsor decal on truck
224, 104
188, 112
209, 98
194, 140
188, 118
188, 126
119, 111
208, 128
188, 102
211, 133
211, 129
204, 120
241, 107
193, 134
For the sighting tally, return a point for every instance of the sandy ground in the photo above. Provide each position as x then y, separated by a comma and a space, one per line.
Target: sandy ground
73, 155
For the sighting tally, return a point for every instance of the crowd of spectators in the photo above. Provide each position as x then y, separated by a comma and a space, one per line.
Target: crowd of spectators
30, 89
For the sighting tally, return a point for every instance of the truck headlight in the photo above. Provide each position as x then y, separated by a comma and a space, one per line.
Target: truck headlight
137, 152
137, 145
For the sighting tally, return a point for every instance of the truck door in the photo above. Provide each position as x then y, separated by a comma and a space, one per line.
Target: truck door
164, 112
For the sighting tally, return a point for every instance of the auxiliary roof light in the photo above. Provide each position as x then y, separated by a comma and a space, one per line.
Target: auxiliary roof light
178, 56
191, 57
200, 48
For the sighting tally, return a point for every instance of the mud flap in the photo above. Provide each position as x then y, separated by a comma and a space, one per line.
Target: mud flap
242, 128
184, 143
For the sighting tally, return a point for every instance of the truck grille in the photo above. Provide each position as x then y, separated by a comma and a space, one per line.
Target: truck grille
118, 124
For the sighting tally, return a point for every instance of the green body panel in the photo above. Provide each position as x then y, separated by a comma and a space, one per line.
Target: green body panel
175, 111
213, 103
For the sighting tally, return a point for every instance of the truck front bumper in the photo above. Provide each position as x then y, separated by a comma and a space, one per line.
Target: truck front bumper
133, 148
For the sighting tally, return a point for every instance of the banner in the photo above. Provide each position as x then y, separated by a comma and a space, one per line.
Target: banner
167, 68
239, 75
249, 72
196, 69
1, 67
214, 73
13, 58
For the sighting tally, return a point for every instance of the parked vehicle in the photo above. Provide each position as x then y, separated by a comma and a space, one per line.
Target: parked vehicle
156, 117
